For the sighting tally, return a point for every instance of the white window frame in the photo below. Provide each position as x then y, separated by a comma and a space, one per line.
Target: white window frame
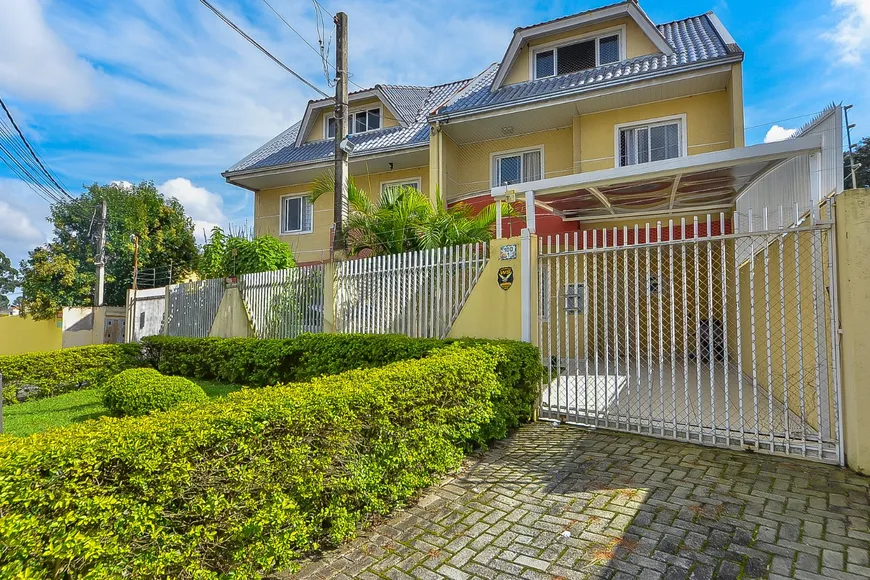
281, 230
350, 121
493, 157
417, 181
619, 31
647, 123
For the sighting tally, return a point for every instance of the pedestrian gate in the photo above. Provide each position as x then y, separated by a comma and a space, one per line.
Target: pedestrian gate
697, 332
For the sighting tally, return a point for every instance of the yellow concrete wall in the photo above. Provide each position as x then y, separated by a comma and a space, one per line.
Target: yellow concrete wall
317, 129
469, 169
19, 335
314, 247
708, 123
853, 268
492, 312
637, 44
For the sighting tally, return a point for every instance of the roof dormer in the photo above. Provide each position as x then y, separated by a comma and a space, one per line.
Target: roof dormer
580, 42
368, 110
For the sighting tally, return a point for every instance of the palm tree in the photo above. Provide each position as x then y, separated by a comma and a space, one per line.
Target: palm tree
403, 219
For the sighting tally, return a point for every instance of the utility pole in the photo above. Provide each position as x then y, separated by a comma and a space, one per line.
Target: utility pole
135, 261
849, 139
341, 144
101, 258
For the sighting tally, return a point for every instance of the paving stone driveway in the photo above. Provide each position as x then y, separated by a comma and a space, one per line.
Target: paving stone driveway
563, 502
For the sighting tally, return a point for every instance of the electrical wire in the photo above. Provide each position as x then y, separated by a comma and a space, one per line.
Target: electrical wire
275, 59
33, 153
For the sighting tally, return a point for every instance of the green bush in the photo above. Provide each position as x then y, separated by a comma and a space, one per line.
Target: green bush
243, 486
45, 374
257, 362
136, 392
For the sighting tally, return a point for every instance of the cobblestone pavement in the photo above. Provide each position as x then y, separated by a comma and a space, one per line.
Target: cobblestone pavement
562, 502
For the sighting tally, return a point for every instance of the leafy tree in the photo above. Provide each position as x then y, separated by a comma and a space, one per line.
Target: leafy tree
862, 162
8, 279
403, 219
233, 255
62, 273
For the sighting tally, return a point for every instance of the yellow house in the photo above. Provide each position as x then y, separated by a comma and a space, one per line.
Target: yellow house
664, 298
590, 91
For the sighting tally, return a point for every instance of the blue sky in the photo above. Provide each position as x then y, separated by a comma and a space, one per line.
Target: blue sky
162, 90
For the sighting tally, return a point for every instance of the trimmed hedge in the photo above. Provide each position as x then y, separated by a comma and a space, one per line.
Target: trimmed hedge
256, 362
46, 374
242, 486
137, 392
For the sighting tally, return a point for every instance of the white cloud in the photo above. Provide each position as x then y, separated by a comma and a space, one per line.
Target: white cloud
205, 208
123, 183
777, 133
16, 226
36, 64
22, 220
851, 37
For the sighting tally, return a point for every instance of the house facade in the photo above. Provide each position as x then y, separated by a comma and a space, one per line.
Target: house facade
593, 91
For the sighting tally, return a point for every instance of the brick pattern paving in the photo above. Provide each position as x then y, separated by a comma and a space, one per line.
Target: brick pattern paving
562, 502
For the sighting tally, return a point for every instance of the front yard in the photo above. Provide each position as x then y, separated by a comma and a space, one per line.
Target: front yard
334, 432
43, 414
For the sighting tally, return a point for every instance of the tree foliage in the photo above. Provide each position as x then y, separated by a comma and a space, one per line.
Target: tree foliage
862, 163
63, 273
8, 279
403, 219
233, 255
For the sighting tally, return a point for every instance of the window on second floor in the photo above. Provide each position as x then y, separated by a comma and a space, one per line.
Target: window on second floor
650, 142
388, 185
357, 122
517, 167
577, 56
296, 214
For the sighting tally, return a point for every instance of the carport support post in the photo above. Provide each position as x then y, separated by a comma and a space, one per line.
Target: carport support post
530, 211
526, 284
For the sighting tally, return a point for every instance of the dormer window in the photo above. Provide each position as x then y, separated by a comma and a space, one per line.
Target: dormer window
575, 56
358, 122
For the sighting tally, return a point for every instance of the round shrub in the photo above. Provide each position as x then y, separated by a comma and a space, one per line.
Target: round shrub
136, 392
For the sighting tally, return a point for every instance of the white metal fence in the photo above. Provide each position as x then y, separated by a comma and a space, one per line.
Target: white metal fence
666, 332
419, 294
192, 307
285, 303
799, 182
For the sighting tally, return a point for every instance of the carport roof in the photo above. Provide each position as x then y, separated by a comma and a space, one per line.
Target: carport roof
707, 180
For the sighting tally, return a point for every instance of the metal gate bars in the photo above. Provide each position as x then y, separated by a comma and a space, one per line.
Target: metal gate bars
696, 333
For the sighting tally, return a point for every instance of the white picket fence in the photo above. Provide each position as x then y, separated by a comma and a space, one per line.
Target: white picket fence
285, 303
418, 294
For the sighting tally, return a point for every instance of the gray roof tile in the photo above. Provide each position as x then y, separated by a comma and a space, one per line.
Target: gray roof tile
694, 40
412, 104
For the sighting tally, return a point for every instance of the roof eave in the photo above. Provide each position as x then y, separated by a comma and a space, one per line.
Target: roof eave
229, 176
521, 35
730, 59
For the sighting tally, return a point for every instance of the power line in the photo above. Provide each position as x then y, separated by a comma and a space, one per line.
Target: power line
229, 23
32, 152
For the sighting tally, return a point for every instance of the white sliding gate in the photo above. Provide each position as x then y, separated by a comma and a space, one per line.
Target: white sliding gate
695, 333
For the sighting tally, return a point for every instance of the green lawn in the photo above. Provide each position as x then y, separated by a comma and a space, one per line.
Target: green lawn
35, 416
